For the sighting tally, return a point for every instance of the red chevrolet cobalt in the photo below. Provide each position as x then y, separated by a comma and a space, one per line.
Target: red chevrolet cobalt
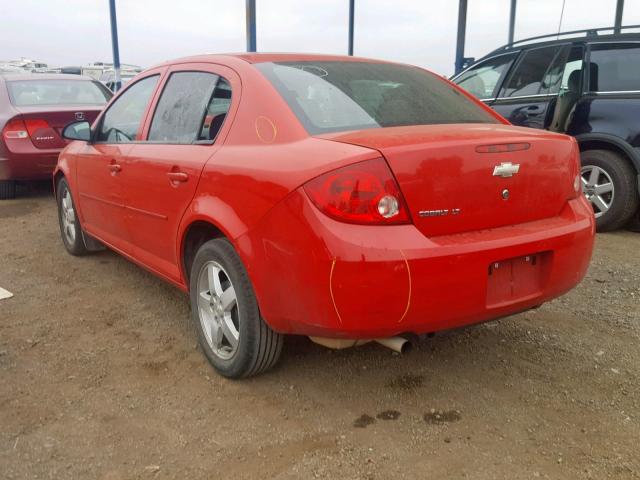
33, 111
345, 199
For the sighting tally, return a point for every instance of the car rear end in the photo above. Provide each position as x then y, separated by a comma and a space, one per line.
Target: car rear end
34, 110
457, 218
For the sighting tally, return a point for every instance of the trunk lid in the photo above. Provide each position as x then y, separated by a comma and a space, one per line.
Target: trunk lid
45, 126
446, 173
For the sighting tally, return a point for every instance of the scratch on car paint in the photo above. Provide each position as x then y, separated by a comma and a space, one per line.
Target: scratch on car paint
333, 266
406, 310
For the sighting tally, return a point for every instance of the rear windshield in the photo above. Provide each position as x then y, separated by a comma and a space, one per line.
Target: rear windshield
24, 93
337, 96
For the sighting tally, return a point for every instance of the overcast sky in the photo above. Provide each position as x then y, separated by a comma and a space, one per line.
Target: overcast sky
422, 32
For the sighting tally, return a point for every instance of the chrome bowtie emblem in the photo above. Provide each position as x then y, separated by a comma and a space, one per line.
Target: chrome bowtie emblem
506, 169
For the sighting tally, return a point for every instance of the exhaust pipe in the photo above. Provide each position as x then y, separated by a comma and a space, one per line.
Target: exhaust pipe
397, 344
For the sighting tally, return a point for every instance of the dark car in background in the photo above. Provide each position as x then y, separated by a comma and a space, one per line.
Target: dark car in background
34, 109
582, 83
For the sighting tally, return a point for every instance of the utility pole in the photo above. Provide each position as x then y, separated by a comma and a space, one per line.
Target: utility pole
114, 45
618, 21
512, 21
462, 26
352, 8
251, 25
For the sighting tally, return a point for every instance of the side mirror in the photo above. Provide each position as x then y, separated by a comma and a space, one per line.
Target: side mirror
77, 131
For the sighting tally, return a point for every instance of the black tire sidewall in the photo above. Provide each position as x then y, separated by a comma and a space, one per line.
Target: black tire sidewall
78, 247
625, 201
222, 252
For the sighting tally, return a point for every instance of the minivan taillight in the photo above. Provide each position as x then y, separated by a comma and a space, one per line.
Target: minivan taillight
363, 193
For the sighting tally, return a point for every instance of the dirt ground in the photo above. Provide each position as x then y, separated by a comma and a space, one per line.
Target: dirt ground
101, 378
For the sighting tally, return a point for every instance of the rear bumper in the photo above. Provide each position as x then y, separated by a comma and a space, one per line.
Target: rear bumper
316, 276
29, 165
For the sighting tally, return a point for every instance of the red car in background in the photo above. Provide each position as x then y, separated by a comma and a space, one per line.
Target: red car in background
33, 111
344, 199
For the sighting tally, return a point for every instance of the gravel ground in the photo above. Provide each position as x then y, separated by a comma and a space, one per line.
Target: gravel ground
101, 378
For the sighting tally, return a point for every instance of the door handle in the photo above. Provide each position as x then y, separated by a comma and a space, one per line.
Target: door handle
115, 168
534, 109
177, 176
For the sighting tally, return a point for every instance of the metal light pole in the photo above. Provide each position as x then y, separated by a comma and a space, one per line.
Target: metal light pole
462, 26
114, 45
251, 25
352, 8
512, 21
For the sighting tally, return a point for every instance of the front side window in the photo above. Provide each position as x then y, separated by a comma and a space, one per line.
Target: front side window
122, 121
182, 108
330, 96
614, 68
529, 75
482, 80
25, 93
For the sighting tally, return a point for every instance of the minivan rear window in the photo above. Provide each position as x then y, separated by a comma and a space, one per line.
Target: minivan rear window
24, 93
338, 96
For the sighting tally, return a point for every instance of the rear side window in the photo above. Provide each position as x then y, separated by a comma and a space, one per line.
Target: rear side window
614, 68
482, 79
528, 78
191, 108
338, 96
123, 119
24, 93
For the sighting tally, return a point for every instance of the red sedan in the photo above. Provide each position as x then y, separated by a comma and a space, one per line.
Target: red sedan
341, 198
33, 111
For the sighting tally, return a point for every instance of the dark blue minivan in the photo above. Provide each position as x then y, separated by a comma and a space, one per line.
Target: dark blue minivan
582, 83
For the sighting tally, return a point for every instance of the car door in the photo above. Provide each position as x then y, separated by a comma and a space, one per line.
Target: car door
528, 94
181, 134
99, 165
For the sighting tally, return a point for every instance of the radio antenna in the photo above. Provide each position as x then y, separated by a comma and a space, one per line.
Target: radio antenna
561, 15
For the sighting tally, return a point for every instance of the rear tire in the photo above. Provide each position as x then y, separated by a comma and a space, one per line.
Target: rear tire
234, 337
7, 189
614, 208
70, 229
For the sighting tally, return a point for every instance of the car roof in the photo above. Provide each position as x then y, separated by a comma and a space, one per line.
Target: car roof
252, 58
589, 38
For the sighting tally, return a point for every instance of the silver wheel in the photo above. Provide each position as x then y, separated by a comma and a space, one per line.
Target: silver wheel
218, 310
598, 188
68, 217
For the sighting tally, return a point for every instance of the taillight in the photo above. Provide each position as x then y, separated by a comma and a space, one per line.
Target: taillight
364, 193
33, 125
15, 129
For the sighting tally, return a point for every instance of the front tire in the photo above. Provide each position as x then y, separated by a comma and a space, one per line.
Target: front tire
7, 189
231, 332
70, 229
609, 183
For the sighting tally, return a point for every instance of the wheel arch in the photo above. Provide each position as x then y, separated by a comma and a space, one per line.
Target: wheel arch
195, 233
603, 141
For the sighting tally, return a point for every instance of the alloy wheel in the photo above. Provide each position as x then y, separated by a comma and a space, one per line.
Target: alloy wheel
218, 310
598, 188
68, 217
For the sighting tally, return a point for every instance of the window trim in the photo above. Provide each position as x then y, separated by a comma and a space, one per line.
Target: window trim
515, 66
587, 88
114, 100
